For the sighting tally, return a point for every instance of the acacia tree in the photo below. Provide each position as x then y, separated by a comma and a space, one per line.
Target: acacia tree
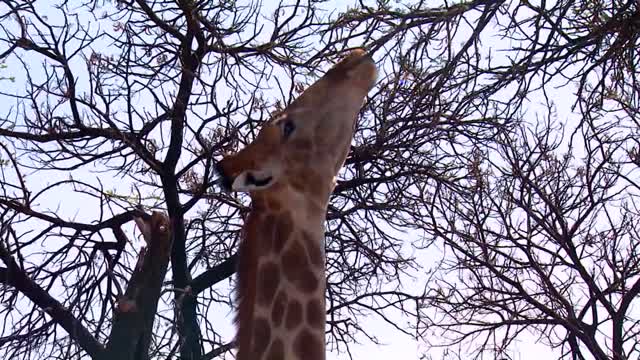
539, 225
122, 107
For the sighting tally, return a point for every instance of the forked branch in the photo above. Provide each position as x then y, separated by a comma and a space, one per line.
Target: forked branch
133, 317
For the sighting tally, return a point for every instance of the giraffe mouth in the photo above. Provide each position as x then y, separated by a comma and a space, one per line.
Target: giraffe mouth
252, 180
248, 180
259, 182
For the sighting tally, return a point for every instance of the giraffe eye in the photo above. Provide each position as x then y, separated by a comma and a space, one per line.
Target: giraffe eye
287, 128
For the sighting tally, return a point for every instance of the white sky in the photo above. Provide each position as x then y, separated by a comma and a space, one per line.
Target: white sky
398, 346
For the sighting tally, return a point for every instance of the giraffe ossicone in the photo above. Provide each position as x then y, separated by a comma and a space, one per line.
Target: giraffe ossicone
289, 171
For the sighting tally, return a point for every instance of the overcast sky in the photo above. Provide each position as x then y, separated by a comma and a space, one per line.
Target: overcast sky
398, 346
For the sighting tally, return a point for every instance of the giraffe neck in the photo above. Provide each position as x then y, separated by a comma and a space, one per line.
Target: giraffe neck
281, 287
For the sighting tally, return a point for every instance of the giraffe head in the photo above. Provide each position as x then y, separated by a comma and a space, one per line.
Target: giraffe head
306, 144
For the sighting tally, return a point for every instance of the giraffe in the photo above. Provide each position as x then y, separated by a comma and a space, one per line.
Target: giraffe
289, 171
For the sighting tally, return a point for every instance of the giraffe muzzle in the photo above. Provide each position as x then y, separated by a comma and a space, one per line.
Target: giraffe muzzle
252, 180
248, 180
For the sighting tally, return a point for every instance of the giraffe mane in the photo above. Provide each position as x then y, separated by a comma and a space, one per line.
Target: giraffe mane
247, 269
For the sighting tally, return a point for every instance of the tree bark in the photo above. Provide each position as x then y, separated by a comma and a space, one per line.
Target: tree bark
133, 317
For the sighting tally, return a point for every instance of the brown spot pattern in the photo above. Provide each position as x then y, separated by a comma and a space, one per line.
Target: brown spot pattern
313, 249
283, 229
308, 347
296, 268
273, 204
252, 227
276, 351
298, 183
315, 314
294, 315
268, 281
315, 184
261, 336
278, 308
298, 157
302, 145
264, 234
